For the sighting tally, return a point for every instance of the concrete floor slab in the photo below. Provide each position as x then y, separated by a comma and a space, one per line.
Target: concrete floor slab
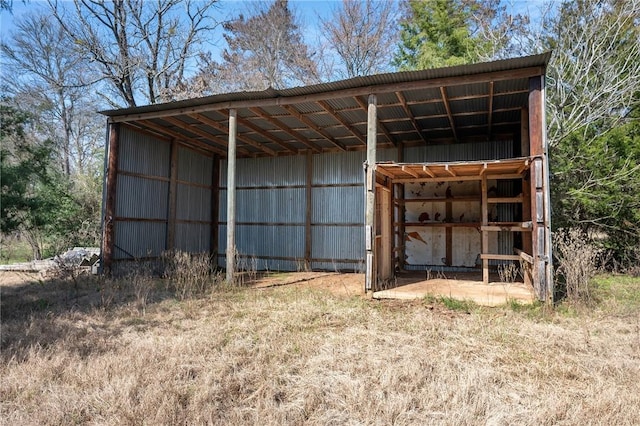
465, 286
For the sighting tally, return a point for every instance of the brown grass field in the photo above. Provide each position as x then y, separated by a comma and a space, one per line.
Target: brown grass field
109, 353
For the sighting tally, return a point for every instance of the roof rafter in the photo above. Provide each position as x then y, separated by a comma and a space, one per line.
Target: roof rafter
212, 123
325, 105
294, 112
407, 110
443, 92
299, 137
259, 130
180, 137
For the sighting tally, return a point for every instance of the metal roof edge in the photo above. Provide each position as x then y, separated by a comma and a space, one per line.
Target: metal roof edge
539, 60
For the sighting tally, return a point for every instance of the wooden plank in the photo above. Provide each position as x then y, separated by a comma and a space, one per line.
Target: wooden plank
442, 224
173, 189
386, 271
536, 121
231, 198
440, 200
509, 228
408, 171
488, 256
110, 200
524, 256
485, 236
370, 206
498, 200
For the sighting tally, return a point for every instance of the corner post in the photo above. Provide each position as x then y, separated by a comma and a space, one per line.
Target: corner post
370, 190
539, 184
231, 197
108, 238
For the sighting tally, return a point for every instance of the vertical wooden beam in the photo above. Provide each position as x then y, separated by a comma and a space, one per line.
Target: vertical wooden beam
485, 234
401, 213
108, 237
308, 211
231, 197
448, 233
539, 192
386, 233
173, 189
214, 246
370, 190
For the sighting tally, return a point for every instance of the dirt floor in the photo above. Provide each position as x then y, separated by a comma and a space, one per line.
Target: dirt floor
414, 285
461, 286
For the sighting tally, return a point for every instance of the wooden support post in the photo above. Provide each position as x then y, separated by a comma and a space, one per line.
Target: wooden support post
485, 234
370, 190
108, 237
231, 197
401, 214
173, 189
215, 209
385, 255
540, 210
308, 211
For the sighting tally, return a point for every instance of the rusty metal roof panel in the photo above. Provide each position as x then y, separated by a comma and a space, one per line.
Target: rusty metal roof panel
518, 100
469, 105
431, 108
540, 60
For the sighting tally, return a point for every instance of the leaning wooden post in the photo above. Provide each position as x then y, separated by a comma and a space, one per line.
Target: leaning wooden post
108, 237
370, 189
231, 197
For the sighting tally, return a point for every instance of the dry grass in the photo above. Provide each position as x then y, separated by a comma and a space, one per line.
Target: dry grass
289, 355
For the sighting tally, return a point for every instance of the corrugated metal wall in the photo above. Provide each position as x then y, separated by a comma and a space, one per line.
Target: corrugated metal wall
142, 198
271, 206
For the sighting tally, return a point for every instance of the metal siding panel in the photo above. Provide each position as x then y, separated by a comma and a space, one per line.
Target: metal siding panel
494, 150
141, 153
140, 239
333, 205
267, 171
277, 205
337, 242
193, 237
194, 167
193, 203
338, 168
276, 241
141, 198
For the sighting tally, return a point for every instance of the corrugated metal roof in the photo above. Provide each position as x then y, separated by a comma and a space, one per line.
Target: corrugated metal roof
402, 97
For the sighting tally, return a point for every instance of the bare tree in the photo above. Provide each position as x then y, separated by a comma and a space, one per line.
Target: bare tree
363, 35
265, 50
141, 48
594, 74
53, 82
